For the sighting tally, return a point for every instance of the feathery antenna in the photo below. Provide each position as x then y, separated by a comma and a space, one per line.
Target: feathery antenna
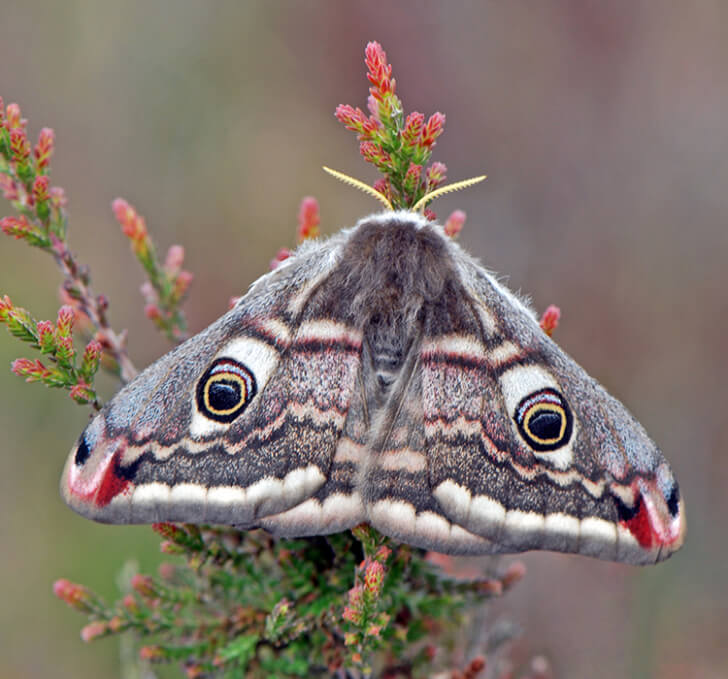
359, 185
428, 197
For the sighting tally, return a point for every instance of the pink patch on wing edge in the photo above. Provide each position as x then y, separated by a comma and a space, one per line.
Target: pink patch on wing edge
653, 525
105, 484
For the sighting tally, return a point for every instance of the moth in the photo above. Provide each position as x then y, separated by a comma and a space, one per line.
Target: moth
381, 376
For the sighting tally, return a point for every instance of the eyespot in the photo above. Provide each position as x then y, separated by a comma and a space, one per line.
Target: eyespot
544, 420
225, 390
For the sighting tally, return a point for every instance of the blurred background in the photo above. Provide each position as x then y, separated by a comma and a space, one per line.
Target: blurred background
603, 128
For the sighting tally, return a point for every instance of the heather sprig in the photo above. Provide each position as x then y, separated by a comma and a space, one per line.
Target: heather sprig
309, 219
550, 319
42, 222
243, 603
398, 145
167, 284
61, 367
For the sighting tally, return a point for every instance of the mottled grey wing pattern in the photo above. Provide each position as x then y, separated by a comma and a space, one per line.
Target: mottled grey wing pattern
603, 489
382, 376
176, 445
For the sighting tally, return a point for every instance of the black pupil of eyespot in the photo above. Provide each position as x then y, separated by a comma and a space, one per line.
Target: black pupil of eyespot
546, 425
224, 394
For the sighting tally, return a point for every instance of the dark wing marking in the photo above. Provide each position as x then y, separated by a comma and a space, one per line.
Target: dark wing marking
151, 455
605, 493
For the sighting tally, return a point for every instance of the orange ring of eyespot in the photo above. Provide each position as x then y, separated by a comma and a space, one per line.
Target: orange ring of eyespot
225, 377
538, 408
231, 372
544, 400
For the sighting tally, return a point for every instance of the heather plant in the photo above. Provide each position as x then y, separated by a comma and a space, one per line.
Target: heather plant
233, 603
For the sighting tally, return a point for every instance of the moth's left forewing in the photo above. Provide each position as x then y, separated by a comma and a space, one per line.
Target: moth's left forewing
205, 434
525, 448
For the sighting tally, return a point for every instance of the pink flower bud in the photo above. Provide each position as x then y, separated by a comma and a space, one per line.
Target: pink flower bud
9, 188
19, 227
281, 255
6, 306
168, 531
144, 585
151, 653
355, 610
540, 668
374, 630
66, 318
373, 106
33, 371
132, 224
412, 178
383, 553
40, 189
374, 578
152, 312
76, 596
46, 336
19, 145
454, 223
130, 604
116, 624
413, 129
308, 219
170, 548
384, 187
44, 148
82, 393
167, 571
174, 259
515, 572
433, 129
380, 72
58, 197
351, 615
474, 667
352, 118
550, 319
13, 116
182, 283
94, 630
148, 292
194, 671
436, 174
92, 352
375, 154
490, 587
